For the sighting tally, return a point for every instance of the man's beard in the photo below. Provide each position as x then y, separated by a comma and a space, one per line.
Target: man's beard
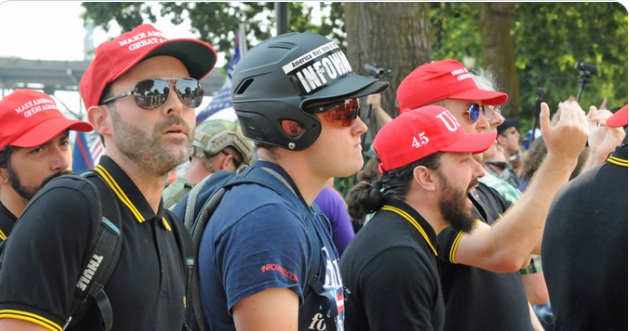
147, 150
26, 192
455, 208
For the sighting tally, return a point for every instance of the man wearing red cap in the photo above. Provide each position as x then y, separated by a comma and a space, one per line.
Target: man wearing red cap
585, 245
140, 92
494, 298
34, 148
391, 266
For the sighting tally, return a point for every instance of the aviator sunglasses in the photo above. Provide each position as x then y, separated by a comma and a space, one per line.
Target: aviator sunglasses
475, 110
153, 93
344, 112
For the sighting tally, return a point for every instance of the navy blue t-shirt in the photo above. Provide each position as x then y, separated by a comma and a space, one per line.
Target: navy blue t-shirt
258, 239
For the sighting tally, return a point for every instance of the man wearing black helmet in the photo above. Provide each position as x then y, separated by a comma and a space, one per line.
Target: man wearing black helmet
296, 96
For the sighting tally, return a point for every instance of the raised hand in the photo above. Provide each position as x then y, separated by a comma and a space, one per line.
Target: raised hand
567, 137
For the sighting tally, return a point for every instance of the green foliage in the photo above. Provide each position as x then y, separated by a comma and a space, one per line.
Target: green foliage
456, 31
127, 15
218, 22
549, 38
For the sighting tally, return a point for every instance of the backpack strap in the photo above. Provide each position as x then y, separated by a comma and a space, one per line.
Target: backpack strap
197, 232
103, 255
196, 225
191, 202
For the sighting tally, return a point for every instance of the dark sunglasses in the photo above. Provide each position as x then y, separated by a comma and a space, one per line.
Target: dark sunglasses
153, 93
344, 112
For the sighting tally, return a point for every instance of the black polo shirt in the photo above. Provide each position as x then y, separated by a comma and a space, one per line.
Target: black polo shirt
584, 253
7, 221
477, 299
51, 242
391, 271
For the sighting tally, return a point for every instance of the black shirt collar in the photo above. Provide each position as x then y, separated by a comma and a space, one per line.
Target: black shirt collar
427, 228
126, 191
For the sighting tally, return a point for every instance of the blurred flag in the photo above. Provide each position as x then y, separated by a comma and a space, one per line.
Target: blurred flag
87, 151
222, 99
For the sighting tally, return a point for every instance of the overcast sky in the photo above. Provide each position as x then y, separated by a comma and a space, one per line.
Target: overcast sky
53, 30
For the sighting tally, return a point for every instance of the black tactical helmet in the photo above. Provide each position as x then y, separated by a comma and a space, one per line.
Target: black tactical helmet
277, 79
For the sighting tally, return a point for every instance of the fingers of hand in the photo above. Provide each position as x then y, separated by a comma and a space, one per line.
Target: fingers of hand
544, 117
573, 122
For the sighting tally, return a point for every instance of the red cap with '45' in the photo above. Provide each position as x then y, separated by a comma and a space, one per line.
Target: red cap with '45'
418, 133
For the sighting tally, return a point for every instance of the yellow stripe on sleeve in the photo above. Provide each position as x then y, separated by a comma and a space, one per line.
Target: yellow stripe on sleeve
30, 317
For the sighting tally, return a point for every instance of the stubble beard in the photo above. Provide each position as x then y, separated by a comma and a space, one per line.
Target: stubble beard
152, 153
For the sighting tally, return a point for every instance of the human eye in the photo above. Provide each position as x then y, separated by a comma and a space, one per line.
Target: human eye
37, 150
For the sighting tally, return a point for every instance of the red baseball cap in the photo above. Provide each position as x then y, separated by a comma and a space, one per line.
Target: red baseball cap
415, 134
31, 118
440, 80
619, 118
114, 58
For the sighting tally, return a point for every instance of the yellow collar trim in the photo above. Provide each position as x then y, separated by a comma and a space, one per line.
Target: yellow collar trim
119, 192
413, 222
166, 224
617, 161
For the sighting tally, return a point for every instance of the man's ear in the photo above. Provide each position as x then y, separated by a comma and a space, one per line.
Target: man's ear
226, 160
425, 178
292, 128
100, 118
501, 139
4, 176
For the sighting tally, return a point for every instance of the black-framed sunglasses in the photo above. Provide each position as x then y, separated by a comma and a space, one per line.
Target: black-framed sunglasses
344, 112
153, 93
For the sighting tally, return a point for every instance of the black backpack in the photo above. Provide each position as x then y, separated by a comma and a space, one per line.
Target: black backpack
105, 251
197, 208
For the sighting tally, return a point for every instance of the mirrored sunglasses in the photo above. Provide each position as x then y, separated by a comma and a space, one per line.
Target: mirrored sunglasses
488, 112
344, 112
474, 112
153, 93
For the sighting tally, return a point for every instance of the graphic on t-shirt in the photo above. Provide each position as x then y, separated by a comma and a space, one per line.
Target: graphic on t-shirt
334, 285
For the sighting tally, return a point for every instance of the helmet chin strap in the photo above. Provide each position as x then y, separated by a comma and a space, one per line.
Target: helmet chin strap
208, 165
199, 153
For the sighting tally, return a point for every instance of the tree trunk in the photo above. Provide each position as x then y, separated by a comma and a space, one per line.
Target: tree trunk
498, 51
392, 35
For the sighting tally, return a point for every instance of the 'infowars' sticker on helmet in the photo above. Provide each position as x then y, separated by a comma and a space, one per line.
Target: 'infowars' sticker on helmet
317, 68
